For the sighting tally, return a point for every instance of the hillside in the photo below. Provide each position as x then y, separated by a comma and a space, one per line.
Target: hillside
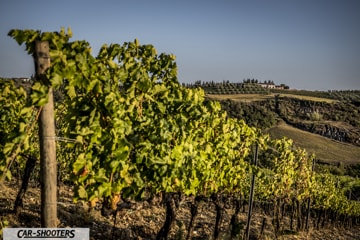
326, 149
324, 123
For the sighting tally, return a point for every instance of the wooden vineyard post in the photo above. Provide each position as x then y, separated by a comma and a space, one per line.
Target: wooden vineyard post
309, 200
48, 174
251, 198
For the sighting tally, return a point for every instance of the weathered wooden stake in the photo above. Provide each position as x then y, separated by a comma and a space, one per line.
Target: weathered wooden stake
309, 201
251, 200
48, 172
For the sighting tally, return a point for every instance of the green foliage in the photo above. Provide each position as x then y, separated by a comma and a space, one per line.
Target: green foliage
329, 193
225, 87
353, 170
315, 116
288, 174
15, 119
258, 114
131, 120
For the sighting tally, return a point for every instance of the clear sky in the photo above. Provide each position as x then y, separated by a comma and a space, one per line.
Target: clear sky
306, 44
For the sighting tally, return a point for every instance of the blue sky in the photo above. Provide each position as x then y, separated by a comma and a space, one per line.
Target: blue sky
306, 44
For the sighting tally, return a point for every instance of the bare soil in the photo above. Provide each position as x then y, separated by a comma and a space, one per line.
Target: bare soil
143, 220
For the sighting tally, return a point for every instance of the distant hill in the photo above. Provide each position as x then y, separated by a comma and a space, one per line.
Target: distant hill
333, 116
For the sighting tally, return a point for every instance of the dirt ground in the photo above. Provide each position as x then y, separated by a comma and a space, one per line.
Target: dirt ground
143, 220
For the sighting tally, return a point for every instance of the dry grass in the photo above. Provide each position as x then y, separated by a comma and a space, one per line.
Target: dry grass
241, 97
309, 98
325, 149
260, 97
